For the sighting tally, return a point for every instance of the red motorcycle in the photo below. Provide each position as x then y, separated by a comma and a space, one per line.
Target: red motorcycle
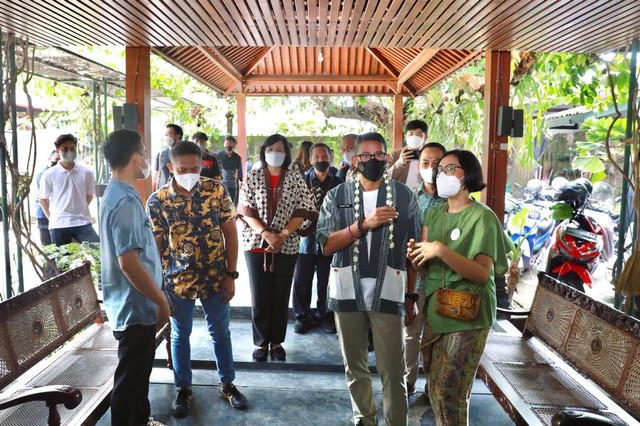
578, 242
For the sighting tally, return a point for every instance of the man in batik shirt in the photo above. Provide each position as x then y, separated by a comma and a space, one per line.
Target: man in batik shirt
190, 217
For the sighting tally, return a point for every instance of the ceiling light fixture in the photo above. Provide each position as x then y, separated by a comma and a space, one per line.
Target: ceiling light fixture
320, 56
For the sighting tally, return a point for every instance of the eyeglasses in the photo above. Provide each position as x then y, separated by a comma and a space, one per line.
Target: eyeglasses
366, 157
448, 170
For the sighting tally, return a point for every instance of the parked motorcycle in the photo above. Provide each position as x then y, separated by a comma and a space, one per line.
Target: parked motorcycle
579, 241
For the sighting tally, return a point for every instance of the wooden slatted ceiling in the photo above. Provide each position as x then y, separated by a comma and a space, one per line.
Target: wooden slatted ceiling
553, 25
369, 46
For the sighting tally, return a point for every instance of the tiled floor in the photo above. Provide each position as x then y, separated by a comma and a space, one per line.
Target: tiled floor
308, 389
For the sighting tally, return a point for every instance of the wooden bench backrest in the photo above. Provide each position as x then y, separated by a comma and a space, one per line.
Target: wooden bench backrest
602, 343
33, 324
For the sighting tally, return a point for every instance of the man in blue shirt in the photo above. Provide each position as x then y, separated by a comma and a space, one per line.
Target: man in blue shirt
131, 278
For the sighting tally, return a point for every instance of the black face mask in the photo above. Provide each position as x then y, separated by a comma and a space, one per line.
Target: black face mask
321, 166
228, 148
372, 170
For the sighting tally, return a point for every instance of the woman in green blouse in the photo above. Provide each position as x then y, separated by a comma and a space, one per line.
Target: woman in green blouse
463, 246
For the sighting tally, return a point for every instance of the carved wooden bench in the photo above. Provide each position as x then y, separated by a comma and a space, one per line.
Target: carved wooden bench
572, 351
55, 349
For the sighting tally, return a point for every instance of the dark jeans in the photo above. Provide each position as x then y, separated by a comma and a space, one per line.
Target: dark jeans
130, 396
62, 236
269, 295
233, 193
303, 285
45, 235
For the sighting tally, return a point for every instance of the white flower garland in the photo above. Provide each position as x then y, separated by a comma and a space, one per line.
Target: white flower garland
389, 203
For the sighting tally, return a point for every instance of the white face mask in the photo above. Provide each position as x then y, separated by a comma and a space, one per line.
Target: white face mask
274, 158
146, 170
448, 186
348, 156
168, 140
414, 142
68, 156
427, 175
187, 180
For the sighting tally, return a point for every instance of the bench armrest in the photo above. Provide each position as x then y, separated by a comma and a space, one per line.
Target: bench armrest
52, 395
513, 312
582, 418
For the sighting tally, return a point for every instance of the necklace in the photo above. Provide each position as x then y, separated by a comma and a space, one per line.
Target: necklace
356, 205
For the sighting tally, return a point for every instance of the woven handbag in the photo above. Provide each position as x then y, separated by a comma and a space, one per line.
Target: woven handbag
458, 304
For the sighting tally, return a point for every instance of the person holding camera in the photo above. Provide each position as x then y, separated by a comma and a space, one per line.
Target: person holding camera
403, 165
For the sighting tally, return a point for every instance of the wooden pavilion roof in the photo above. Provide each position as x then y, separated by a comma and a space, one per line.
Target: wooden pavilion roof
368, 46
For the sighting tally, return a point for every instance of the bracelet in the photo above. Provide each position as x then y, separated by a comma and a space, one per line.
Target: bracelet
350, 234
262, 232
361, 227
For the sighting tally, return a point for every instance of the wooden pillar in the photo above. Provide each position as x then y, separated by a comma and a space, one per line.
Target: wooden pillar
494, 147
398, 121
241, 102
138, 89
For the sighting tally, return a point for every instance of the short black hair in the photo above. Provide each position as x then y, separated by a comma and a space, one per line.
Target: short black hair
416, 124
176, 129
120, 146
230, 138
65, 138
472, 169
273, 139
201, 136
184, 148
371, 136
437, 145
320, 145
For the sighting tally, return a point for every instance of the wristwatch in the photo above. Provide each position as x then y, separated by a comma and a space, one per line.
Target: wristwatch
233, 274
412, 296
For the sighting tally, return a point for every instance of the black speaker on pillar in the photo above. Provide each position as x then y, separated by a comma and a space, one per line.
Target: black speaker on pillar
505, 120
510, 122
517, 130
125, 117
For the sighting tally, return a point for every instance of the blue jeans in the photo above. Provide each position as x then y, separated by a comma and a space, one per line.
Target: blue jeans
216, 313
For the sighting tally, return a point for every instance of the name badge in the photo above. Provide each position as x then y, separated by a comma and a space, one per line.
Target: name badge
345, 206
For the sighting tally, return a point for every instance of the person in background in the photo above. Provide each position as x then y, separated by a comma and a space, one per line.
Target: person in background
210, 161
347, 150
131, 278
161, 172
275, 203
43, 222
427, 198
66, 191
463, 245
231, 164
302, 163
403, 165
194, 226
311, 260
365, 225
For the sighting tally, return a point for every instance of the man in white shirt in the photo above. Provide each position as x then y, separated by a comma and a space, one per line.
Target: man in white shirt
66, 190
403, 165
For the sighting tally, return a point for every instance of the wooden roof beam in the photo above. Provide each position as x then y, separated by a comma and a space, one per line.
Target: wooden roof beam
254, 63
378, 56
471, 56
321, 80
219, 60
415, 65
185, 69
